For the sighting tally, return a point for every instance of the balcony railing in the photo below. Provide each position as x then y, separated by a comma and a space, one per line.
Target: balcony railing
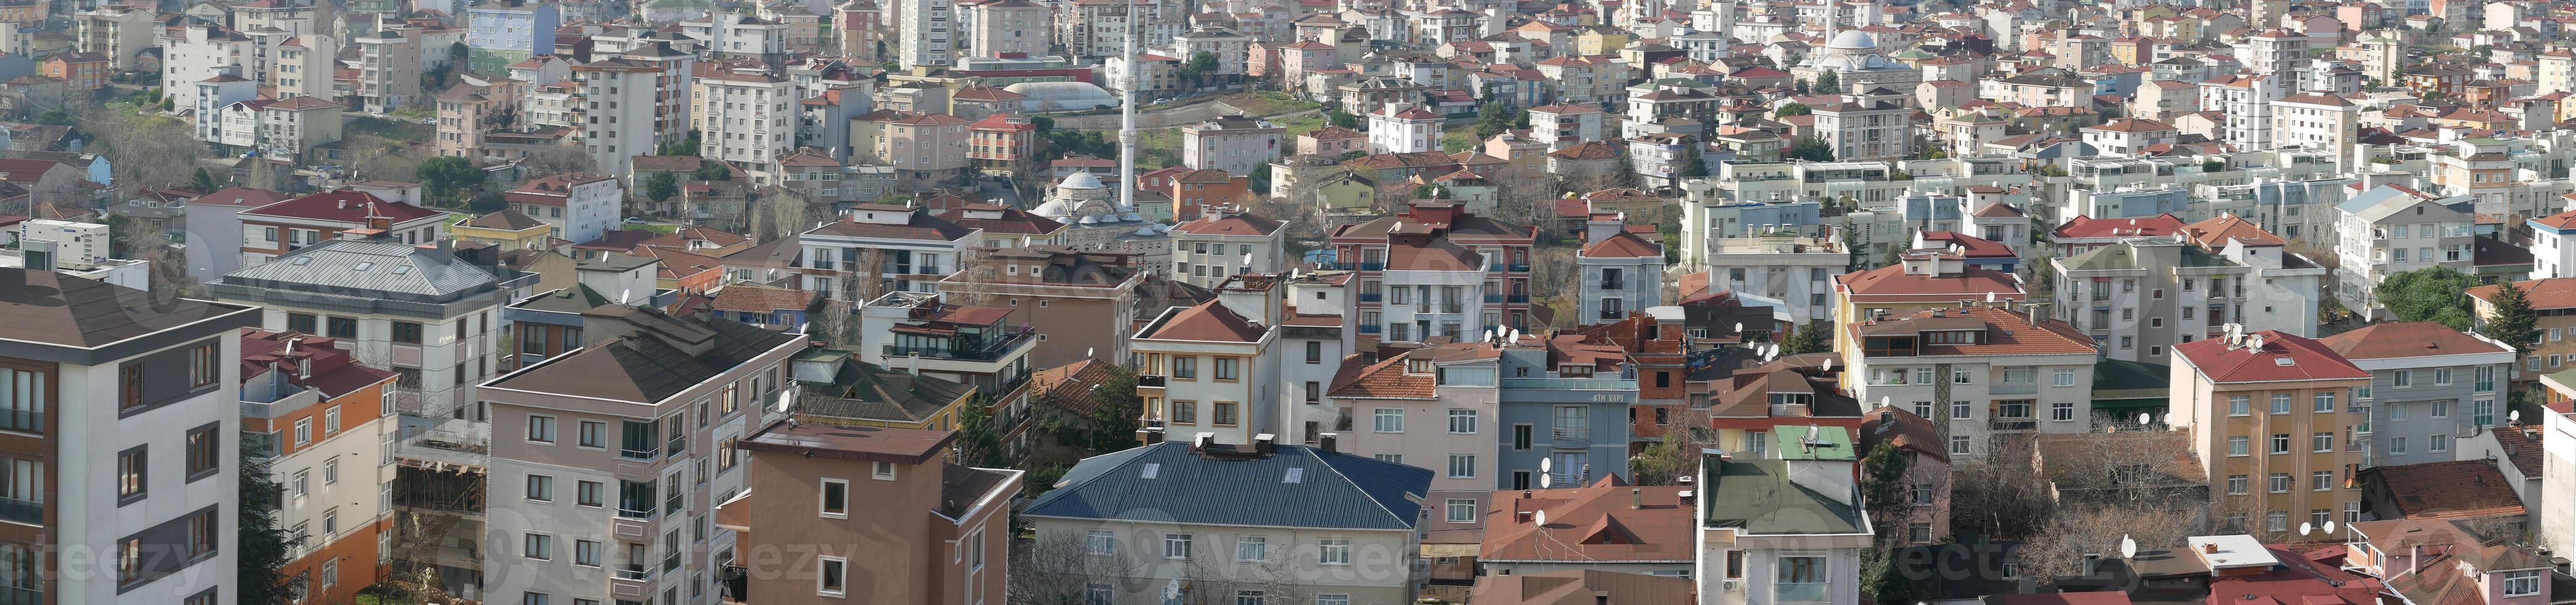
31, 421
22, 511
1453, 307
1372, 297
2013, 425
1493, 299
1151, 381
21, 595
987, 352
628, 511
642, 454
1570, 434
1370, 328
1614, 284
634, 573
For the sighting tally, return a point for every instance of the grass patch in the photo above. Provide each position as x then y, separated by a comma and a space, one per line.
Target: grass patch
1459, 138
1267, 102
662, 228
1301, 125
403, 131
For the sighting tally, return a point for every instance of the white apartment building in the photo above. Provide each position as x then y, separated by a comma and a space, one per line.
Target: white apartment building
1224, 242
2553, 255
1619, 273
1234, 144
2390, 230
1792, 273
1403, 128
200, 52
606, 473
2142, 296
745, 116
1314, 335
1093, 29
1208, 369
1006, 27
617, 112
2009, 375
119, 476
2283, 290
320, 420
1563, 125
1748, 556
2247, 103
388, 72
2317, 121
1866, 129
912, 251
578, 207
928, 36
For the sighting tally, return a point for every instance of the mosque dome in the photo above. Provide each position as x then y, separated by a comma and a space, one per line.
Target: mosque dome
1852, 39
1081, 179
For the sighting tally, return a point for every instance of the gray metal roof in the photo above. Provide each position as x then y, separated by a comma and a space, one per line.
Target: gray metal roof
1331, 490
371, 268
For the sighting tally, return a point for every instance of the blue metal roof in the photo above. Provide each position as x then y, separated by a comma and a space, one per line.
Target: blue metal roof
1331, 490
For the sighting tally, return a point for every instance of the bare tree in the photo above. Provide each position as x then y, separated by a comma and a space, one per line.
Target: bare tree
2068, 534
1997, 494
152, 151
1057, 568
555, 159
781, 212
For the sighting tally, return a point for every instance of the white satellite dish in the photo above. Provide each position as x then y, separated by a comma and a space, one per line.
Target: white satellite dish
1544, 464
1545, 480
1540, 517
2128, 547
1990, 297
2306, 528
2146, 417
2329, 526
1739, 327
1883, 401
1087, 351
2513, 416
1829, 364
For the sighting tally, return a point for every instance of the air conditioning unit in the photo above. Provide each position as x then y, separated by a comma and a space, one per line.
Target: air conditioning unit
1732, 584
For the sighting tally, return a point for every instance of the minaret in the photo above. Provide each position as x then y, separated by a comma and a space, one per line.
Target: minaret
1127, 118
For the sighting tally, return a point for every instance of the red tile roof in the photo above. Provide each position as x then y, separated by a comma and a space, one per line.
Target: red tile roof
1071, 386
2306, 360
1382, 380
2084, 226
2407, 339
1622, 245
1210, 321
760, 299
1892, 284
344, 206
1231, 223
2215, 232
2006, 333
2454, 489
1606, 521
1969, 245
2544, 294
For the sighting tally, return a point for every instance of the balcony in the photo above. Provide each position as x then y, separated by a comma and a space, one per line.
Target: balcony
21, 595
2013, 425
1453, 307
990, 351
22, 511
648, 453
2027, 388
1370, 328
1149, 381
1614, 284
31, 421
632, 582
1570, 434
1372, 297
638, 527
1493, 299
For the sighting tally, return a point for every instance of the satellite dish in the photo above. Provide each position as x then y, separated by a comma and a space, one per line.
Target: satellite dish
2329, 526
2513, 416
1739, 327
2146, 417
1544, 479
1829, 364
1990, 297
2306, 528
1540, 517
1883, 401
1086, 351
1544, 464
2129, 546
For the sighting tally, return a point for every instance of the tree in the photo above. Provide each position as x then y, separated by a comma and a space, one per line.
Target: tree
661, 186
1042, 123
1116, 410
977, 442
263, 547
2435, 294
1259, 180
202, 181
2514, 320
1694, 165
1792, 109
1491, 119
1829, 84
2043, 277
1810, 148
1807, 339
713, 171
1200, 66
1852, 244
1884, 488
449, 179
1335, 116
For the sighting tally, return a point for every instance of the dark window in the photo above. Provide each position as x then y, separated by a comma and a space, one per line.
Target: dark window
1314, 352
836, 498
301, 322
407, 378
204, 451
344, 327
407, 332
130, 474
129, 382
203, 368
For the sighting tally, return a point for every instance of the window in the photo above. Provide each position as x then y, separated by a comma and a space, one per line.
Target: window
303, 431
2065, 378
204, 367
1961, 410
2325, 402
346, 327
2321, 442
2236, 406
2279, 483
1802, 579
541, 429
1314, 350
204, 452
835, 498
2061, 411
1387, 420
1247, 597
1184, 412
131, 474
1521, 437
1461, 510
1095, 594
1462, 466
1961, 376
2522, 583
594, 434
2442, 409
406, 332
2280, 403
2482, 412
533, 598
2440, 442
302, 322
2280, 443
1334, 551
1100, 543
1333, 599
831, 580
1918, 532
2401, 379
1958, 445
2236, 446
589, 493
1228, 368
2276, 521
1222, 413
538, 546
1176, 546
882, 471
1251, 549
2321, 481
2396, 445
1462, 422
541, 488
1185, 368
2235, 485
585, 552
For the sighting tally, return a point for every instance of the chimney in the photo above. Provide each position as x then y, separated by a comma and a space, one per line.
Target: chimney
1265, 444
1636, 498
2091, 559
1688, 497
1200, 442
1153, 435
2209, 548
1329, 441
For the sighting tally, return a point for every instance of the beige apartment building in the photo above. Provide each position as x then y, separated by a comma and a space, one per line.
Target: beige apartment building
2271, 416
1062, 291
856, 499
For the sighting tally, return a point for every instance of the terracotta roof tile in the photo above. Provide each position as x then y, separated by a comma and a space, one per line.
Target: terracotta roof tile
1383, 380
2407, 339
1592, 523
2448, 489
2215, 232
1209, 321
2306, 360
2544, 294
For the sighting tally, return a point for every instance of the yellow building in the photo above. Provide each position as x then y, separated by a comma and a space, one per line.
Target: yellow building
1597, 41
866, 394
2270, 415
1345, 191
508, 230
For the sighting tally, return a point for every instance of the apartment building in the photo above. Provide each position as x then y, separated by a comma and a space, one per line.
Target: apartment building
214, 223
1233, 396
2283, 288
881, 545
1437, 253
1655, 523
878, 248
1795, 273
1431, 408
270, 231
116, 31
1007, 28
1919, 281
631, 104
2552, 300
2430, 385
1065, 291
554, 525
575, 206
2140, 297
200, 51
1235, 144
2246, 101
388, 72
2318, 121
929, 37
498, 34
1224, 242
984, 348
1002, 143
2276, 409
2009, 373
467, 113
1618, 273
924, 149
744, 116
2553, 254
1780, 529
80, 477
2390, 230
1350, 539
318, 419
1403, 128
1091, 29
1866, 129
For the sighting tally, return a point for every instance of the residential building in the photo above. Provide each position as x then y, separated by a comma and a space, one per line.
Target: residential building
929, 37
270, 231
389, 71
2495, 571
2553, 254
318, 419
214, 223
2142, 296
925, 149
2391, 229
1796, 274
1403, 128
1917, 282
467, 113
1562, 529
498, 34
672, 455
1067, 291
877, 248
2430, 385
1619, 273
1234, 144
116, 31
1194, 191
882, 545
172, 369
634, 104
1233, 395
2282, 291
1866, 129
2269, 415
2010, 372
837, 389
1008, 28
200, 51
1239, 544
1438, 248
980, 347
79, 71
1431, 408
2550, 299
576, 206
1563, 125
1754, 549
1001, 144
2130, 136
1926, 515
743, 116
2318, 121
1224, 242
507, 230
1090, 29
